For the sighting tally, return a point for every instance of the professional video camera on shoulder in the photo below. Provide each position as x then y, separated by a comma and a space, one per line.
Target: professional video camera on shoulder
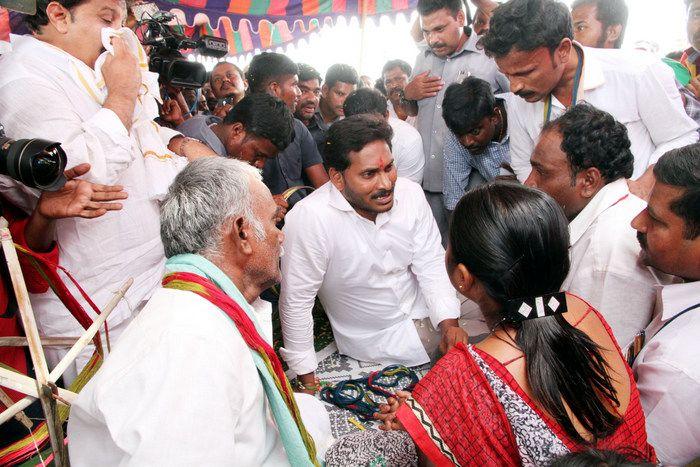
166, 44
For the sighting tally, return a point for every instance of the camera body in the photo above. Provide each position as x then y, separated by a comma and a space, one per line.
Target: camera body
36, 163
166, 58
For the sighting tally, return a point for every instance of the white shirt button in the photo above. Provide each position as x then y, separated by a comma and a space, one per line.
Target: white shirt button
432, 156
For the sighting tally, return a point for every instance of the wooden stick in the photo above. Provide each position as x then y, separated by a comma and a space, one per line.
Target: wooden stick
45, 341
62, 365
26, 385
87, 336
20, 416
35, 350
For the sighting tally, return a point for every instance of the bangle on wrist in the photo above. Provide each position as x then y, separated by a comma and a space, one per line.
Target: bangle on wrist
315, 386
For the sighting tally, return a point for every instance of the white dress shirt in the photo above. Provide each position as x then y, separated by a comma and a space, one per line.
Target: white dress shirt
635, 87
392, 113
407, 148
373, 278
668, 376
180, 388
605, 270
39, 98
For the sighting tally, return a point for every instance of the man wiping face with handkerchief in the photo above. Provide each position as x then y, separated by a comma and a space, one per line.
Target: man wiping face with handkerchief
81, 79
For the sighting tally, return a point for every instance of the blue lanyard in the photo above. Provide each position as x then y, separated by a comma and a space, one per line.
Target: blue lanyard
577, 82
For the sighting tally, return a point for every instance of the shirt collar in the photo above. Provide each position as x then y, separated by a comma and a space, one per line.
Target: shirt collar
592, 75
675, 298
317, 119
50, 54
608, 196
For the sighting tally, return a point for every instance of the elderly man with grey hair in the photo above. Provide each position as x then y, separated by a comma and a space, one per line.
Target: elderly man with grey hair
194, 379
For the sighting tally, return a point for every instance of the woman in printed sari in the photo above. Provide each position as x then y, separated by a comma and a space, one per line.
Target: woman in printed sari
550, 378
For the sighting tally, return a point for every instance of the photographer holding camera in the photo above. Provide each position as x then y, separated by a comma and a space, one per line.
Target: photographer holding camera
53, 86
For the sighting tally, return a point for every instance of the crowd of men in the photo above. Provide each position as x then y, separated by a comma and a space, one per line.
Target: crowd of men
211, 196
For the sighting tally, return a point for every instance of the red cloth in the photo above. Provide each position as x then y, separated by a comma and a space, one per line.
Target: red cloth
10, 326
691, 66
466, 414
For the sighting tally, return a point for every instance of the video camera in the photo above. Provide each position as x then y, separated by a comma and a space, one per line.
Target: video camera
165, 57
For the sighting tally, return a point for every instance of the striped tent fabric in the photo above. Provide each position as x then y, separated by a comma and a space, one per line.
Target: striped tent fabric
253, 24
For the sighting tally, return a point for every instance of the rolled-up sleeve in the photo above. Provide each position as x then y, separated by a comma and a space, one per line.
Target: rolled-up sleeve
428, 265
34, 108
304, 266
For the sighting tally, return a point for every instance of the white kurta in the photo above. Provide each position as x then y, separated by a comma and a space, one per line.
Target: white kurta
407, 148
180, 388
668, 375
373, 278
605, 270
637, 88
39, 98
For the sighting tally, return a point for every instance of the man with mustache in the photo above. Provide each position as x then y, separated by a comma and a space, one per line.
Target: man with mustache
667, 368
228, 85
477, 142
340, 81
368, 246
583, 160
532, 43
449, 55
307, 109
395, 75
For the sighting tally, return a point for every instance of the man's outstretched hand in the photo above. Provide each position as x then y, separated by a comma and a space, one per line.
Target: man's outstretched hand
80, 198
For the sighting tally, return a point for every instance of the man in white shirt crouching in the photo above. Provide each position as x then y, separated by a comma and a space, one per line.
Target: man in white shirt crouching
583, 160
194, 380
367, 244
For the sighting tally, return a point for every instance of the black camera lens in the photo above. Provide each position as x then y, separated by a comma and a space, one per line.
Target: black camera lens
37, 163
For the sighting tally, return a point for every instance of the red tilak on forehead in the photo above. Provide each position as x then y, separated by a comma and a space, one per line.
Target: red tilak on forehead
382, 163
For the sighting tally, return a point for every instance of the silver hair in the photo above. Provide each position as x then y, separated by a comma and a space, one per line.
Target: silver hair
207, 193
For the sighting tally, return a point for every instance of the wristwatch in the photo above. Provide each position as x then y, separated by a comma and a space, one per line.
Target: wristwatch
402, 98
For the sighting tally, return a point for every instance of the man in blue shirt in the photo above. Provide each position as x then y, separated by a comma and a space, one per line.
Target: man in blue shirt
476, 144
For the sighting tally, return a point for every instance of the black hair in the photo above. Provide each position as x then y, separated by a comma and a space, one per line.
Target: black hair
379, 86
595, 458
398, 63
351, 134
426, 7
236, 67
268, 67
515, 241
467, 103
593, 138
680, 168
263, 116
343, 73
40, 18
609, 13
365, 101
307, 73
527, 25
